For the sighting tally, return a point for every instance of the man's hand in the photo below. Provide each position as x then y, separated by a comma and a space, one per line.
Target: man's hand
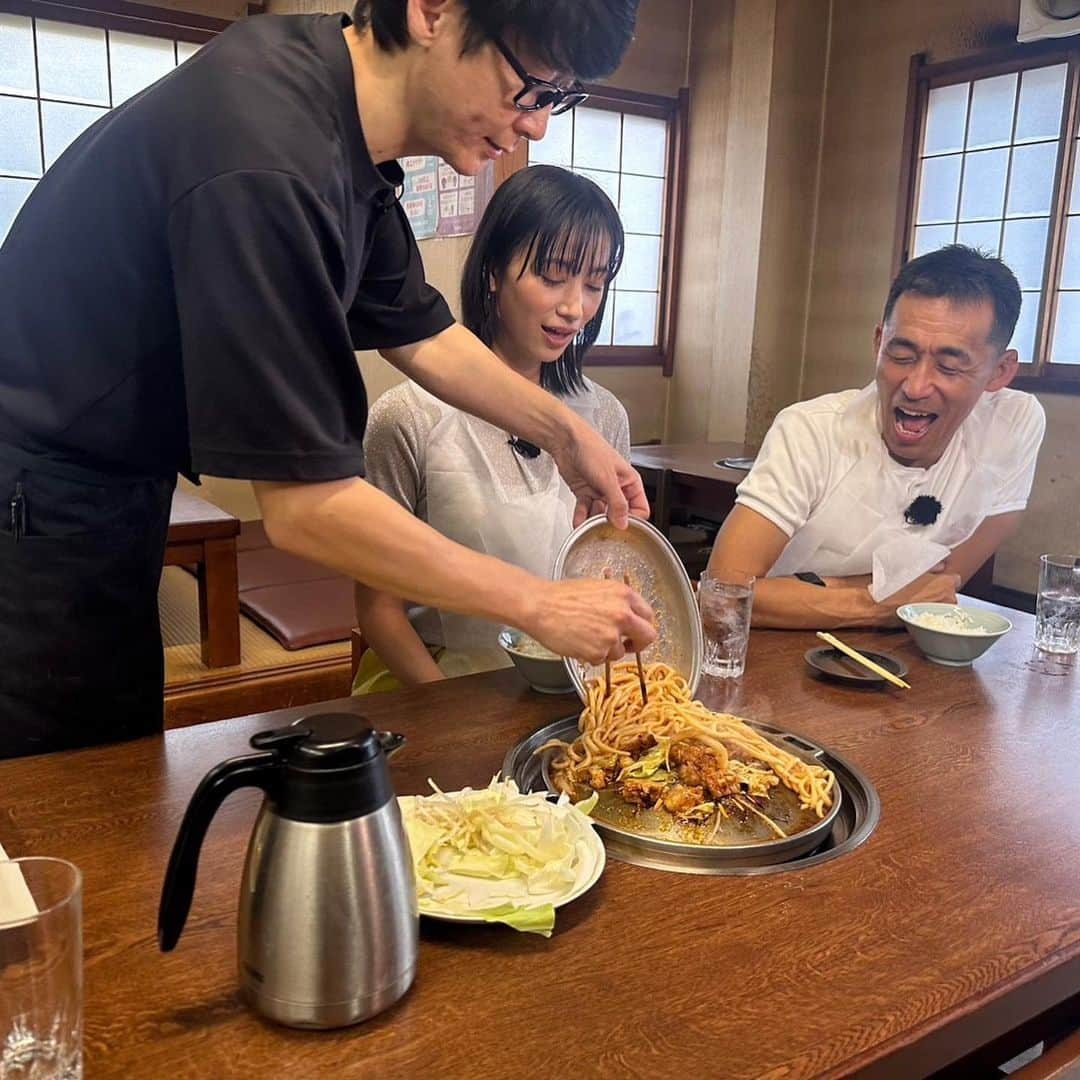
590, 619
930, 588
600, 478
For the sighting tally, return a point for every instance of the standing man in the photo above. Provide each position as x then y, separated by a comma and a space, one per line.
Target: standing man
183, 292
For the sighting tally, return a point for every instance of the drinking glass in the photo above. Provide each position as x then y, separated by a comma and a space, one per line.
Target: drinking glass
1057, 611
40, 970
724, 600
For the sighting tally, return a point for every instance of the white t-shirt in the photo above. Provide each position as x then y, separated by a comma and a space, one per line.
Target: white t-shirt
824, 472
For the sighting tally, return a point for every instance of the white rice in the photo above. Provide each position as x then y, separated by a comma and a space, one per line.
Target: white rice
956, 621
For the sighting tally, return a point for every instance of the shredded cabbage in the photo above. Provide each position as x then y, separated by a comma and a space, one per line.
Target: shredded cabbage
498, 855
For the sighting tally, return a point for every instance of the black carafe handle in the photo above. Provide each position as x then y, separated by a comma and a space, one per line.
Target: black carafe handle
254, 770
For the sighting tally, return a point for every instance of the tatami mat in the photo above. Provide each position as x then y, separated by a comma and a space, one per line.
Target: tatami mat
178, 603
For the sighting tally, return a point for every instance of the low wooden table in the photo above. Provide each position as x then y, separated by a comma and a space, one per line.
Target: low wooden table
685, 476
204, 535
957, 920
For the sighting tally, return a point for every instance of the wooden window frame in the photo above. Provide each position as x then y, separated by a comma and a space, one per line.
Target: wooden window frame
120, 15
1041, 375
675, 111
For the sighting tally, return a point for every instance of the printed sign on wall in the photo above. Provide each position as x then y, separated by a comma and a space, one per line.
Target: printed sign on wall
441, 202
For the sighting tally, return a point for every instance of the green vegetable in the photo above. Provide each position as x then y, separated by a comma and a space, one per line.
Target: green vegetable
496, 854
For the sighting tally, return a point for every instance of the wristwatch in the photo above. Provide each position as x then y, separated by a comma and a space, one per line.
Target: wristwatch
810, 578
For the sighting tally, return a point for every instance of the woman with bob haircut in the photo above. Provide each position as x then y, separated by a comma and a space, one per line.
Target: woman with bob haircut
533, 289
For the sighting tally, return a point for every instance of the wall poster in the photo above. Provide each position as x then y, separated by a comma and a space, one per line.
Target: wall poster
441, 202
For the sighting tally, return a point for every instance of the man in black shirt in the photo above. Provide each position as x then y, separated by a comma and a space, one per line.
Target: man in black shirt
183, 292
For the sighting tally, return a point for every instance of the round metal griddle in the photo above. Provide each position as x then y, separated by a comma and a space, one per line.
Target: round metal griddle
656, 572
646, 846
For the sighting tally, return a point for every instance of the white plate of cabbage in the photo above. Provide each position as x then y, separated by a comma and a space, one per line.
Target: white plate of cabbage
496, 855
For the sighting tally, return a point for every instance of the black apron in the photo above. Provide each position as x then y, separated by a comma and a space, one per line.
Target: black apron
81, 552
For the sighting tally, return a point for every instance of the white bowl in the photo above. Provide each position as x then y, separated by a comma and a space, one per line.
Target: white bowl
955, 646
544, 673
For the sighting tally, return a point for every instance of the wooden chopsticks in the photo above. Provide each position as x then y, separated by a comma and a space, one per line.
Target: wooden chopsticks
637, 657
866, 662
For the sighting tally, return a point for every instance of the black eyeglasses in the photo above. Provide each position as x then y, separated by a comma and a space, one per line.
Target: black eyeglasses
540, 93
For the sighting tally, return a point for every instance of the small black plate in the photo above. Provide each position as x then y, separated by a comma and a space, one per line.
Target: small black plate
834, 664
743, 463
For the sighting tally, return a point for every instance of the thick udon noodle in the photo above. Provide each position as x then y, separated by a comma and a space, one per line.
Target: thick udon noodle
615, 728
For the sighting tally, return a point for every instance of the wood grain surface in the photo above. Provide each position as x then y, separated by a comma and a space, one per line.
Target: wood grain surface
956, 921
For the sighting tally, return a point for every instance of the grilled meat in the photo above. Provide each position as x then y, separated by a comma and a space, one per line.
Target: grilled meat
679, 798
641, 792
699, 766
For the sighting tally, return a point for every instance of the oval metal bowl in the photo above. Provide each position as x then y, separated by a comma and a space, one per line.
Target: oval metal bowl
656, 572
687, 858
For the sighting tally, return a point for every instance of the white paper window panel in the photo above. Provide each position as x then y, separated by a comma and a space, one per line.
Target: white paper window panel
641, 264
557, 145
644, 145
1042, 95
993, 102
20, 148
72, 64
185, 50
946, 119
13, 193
1066, 344
932, 237
641, 204
939, 186
1031, 181
597, 137
609, 181
1074, 195
983, 193
1070, 263
1023, 339
136, 61
17, 72
604, 336
635, 318
62, 124
1023, 249
983, 235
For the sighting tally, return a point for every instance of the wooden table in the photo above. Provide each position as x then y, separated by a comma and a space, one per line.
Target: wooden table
956, 921
204, 535
685, 476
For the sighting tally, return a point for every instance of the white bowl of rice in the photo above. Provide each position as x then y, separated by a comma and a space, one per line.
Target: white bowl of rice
952, 634
542, 669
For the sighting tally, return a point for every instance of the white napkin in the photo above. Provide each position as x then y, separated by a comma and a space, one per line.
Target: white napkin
899, 562
16, 903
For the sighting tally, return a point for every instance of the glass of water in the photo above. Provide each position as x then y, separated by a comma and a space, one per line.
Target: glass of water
40, 970
1057, 612
724, 600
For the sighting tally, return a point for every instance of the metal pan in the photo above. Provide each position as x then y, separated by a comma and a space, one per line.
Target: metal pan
648, 846
656, 572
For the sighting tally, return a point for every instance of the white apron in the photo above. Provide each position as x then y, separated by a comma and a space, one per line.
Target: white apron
478, 495
859, 526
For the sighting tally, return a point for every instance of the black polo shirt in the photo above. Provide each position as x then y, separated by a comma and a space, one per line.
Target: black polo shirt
184, 289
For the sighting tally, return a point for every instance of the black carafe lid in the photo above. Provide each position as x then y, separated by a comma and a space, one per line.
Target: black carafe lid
333, 768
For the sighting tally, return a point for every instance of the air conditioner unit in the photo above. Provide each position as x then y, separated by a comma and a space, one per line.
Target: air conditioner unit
1048, 19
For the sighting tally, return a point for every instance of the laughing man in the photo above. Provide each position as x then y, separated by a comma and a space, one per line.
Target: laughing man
897, 493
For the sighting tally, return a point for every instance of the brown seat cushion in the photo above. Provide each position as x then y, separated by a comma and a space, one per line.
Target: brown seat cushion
305, 613
299, 602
